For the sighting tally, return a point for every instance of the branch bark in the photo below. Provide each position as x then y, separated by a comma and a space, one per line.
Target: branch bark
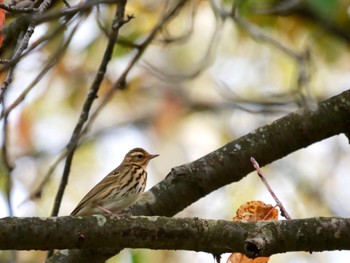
255, 239
187, 183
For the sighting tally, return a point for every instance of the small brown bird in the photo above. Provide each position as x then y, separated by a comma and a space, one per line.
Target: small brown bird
120, 188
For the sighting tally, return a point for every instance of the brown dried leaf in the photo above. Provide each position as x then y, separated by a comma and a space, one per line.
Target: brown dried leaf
253, 211
256, 210
241, 258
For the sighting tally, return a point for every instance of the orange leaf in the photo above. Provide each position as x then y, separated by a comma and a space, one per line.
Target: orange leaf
253, 211
240, 258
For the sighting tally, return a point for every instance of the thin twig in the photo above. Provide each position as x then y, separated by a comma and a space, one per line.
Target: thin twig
121, 82
106, 98
7, 164
81, 8
302, 59
42, 17
23, 45
50, 63
39, 190
50, 36
91, 96
17, 10
53, 61
263, 179
204, 63
66, 3
140, 50
186, 33
9, 77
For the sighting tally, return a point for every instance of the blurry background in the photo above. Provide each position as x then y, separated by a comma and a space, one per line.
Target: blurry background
206, 79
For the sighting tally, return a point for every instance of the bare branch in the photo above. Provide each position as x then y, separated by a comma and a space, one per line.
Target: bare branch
187, 183
92, 94
52, 61
18, 10
255, 239
22, 46
204, 62
170, 14
231, 162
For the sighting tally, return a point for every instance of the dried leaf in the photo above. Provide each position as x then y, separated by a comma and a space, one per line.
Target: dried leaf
256, 210
253, 211
241, 258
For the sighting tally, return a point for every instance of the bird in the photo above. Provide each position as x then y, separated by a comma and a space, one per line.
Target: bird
120, 188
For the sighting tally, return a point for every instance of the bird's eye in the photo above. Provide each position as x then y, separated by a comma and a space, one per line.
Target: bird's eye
140, 156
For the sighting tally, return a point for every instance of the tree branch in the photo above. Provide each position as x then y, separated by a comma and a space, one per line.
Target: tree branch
255, 239
187, 183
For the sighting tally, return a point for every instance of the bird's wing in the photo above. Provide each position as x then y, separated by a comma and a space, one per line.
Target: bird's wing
100, 191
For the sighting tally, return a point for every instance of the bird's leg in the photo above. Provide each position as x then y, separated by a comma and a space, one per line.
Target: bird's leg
110, 213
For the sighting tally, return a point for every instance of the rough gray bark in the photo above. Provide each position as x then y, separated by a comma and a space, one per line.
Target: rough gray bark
262, 238
186, 184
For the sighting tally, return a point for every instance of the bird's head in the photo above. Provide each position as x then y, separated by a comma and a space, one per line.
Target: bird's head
139, 157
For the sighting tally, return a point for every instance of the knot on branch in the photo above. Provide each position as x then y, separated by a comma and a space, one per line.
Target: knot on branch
254, 247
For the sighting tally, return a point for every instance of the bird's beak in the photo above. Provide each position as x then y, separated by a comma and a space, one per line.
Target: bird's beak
151, 156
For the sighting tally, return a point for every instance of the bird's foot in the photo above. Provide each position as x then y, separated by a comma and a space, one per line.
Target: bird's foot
110, 213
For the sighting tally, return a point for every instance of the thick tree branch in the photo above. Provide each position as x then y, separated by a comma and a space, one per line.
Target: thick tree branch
186, 184
262, 238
